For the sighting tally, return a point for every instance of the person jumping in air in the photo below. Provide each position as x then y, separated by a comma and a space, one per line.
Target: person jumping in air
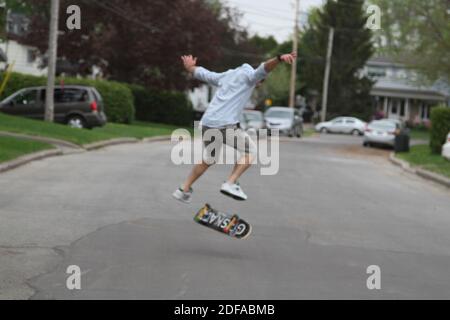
235, 88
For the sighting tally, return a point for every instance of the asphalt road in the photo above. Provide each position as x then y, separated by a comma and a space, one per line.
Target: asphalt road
333, 210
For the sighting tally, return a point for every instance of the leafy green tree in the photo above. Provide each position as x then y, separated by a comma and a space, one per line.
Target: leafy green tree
352, 46
417, 32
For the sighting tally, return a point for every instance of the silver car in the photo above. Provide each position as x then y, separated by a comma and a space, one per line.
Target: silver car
286, 120
252, 119
381, 132
350, 125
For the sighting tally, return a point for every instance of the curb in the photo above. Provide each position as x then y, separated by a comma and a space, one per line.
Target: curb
156, 139
107, 143
53, 141
420, 172
5, 166
9, 165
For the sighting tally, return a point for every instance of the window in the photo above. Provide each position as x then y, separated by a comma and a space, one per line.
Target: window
350, 121
337, 121
31, 56
26, 98
70, 95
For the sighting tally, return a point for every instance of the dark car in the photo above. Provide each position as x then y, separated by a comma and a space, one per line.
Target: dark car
77, 106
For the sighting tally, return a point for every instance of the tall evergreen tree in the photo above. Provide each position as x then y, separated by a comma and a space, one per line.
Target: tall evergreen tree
352, 46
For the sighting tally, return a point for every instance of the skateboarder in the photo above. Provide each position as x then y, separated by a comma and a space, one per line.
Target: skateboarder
235, 88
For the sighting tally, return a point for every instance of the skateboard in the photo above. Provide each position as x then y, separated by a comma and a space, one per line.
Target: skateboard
229, 224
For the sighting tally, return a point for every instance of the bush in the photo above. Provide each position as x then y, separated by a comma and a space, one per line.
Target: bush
440, 127
162, 106
117, 97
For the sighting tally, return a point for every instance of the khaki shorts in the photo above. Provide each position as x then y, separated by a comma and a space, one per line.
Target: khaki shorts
231, 135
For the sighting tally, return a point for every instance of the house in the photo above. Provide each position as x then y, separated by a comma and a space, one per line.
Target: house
25, 58
398, 93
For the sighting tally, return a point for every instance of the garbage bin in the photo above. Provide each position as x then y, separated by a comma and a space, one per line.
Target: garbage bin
401, 142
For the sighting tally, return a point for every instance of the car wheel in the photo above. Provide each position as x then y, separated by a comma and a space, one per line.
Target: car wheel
76, 122
324, 130
356, 132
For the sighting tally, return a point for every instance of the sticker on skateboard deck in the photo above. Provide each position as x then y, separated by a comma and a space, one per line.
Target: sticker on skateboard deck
228, 224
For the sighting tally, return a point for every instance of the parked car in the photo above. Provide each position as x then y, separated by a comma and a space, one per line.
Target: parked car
381, 132
286, 120
446, 148
77, 106
252, 119
350, 125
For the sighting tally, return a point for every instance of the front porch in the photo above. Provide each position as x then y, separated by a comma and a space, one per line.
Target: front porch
409, 104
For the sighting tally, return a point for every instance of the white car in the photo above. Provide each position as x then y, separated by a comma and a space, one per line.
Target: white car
350, 125
286, 120
380, 132
252, 119
446, 148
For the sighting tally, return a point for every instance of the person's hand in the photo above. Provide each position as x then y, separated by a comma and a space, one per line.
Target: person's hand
289, 58
189, 62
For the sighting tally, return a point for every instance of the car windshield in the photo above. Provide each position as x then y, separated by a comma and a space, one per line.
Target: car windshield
250, 116
382, 125
279, 114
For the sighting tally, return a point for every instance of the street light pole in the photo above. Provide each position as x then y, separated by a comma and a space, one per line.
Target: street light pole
294, 64
52, 56
327, 75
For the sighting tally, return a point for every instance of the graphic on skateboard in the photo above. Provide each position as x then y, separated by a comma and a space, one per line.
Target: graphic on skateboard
229, 224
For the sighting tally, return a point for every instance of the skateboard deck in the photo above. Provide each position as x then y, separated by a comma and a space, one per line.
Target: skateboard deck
229, 224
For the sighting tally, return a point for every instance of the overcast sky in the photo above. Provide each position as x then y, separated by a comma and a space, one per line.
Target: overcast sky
271, 17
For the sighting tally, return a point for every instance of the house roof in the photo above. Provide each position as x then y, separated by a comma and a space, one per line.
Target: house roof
402, 89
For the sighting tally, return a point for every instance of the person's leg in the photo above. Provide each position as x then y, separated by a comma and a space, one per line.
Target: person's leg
212, 142
197, 172
240, 167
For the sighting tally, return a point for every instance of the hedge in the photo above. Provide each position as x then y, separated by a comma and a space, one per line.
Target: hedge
117, 97
162, 106
440, 127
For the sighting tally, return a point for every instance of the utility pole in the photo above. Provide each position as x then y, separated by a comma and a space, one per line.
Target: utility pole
294, 64
327, 75
52, 56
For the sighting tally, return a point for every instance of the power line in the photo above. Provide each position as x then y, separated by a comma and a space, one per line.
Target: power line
121, 14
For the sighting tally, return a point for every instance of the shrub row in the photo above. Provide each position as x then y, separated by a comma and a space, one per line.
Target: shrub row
162, 106
440, 127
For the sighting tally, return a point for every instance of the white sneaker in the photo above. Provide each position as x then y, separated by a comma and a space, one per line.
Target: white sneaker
234, 191
182, 196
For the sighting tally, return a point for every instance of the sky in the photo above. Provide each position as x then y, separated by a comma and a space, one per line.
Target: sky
272, 17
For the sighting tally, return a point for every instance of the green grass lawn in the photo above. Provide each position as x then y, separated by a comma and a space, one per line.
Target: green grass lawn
77, 136
422, 157
11, 148
420, 134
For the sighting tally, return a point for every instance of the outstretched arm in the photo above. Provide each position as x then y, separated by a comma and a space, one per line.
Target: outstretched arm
273, 63
261, 72
200, 73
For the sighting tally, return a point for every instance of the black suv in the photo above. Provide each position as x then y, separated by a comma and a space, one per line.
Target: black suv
77, 106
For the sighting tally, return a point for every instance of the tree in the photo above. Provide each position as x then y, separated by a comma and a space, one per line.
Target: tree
352, 47
417, 33
138, 42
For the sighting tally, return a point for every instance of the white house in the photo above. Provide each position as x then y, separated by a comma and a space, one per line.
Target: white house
398, 93
24, 57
